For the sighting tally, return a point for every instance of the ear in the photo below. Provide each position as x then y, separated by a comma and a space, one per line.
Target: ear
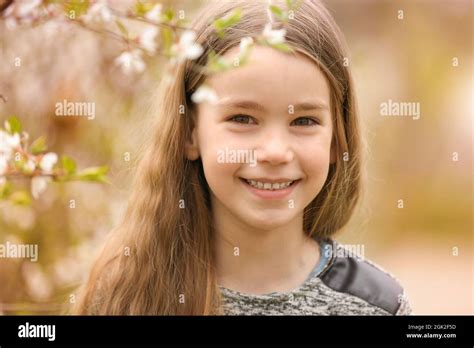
192, 148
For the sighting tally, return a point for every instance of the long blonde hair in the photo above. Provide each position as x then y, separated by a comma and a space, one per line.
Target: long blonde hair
169, 267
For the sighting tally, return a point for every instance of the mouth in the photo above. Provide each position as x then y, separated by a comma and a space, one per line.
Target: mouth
270, 189
269, 185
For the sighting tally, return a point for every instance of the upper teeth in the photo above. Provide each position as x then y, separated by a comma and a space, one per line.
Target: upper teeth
269, 185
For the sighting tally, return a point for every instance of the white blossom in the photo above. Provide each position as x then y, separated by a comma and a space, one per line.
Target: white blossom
148, 39
39, 185
38, 284
23, 8
48, 161
245, 44
8, 143
22, 12
30, 166
187, 48
130, 62
244, 47
98, 12
154, 14
274, 36
204, 94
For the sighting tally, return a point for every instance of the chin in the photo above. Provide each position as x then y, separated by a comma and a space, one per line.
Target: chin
269, 221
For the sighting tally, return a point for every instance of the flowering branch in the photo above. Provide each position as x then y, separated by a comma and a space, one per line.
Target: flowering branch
164, 33
18, 159
161, 35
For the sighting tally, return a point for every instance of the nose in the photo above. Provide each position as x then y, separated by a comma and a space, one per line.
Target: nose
275, 148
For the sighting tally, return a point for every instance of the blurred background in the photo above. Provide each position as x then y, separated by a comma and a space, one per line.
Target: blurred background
423, 54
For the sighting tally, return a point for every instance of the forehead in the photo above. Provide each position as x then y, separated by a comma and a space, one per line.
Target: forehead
272, 78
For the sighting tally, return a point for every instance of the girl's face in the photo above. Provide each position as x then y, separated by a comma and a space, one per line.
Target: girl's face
266, 144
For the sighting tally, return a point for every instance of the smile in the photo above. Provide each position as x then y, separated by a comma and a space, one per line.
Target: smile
270, 189
269, 185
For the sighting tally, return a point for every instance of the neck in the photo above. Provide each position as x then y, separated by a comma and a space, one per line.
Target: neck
253, 260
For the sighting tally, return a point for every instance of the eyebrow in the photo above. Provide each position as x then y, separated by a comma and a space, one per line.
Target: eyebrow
251, 105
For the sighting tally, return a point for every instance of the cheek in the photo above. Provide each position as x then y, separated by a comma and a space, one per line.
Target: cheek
220, 178
314, 156
218, 175
218, 172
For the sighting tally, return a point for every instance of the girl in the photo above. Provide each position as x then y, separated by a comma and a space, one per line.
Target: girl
235, 201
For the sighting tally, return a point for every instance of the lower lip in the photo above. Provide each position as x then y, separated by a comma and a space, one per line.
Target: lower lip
270, 194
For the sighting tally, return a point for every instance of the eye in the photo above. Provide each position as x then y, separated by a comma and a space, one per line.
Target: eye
245, 119
305, 121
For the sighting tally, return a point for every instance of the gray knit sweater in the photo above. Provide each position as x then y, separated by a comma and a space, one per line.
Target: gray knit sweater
341, 284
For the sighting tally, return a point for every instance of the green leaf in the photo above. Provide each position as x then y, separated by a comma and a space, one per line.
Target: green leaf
122, 28
78, 7
5, 190
168, 15
39, 145
293, 4
20, 198
19, 161
97, 174
283, 47
167, 39
69, 165
278, 13
221, 24
216, 63
13, 125
141, 8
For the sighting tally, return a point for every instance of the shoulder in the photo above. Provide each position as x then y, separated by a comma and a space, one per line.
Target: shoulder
348, 273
